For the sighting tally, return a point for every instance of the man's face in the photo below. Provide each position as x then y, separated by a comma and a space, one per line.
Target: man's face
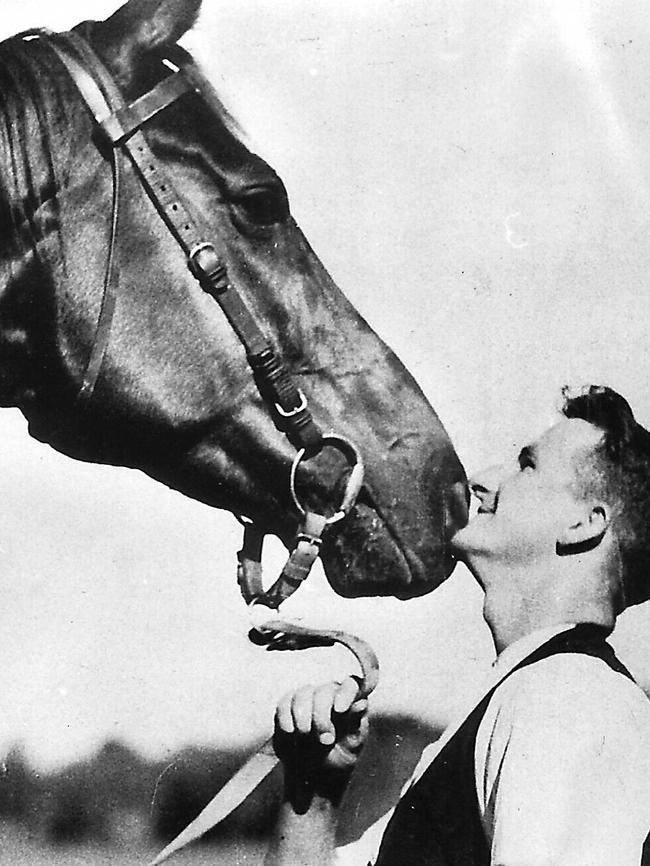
525, 507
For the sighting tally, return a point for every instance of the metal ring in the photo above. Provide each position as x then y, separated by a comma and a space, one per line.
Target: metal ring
354, 482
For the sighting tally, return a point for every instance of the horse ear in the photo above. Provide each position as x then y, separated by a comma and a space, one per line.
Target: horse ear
142, 26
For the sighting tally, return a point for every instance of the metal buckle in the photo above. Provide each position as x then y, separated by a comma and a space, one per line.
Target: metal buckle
354, 482
291, 413
208, 266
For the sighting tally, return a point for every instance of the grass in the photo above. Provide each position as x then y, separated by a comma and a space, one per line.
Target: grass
17, 848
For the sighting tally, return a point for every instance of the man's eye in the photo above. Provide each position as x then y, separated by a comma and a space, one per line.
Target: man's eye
526, 461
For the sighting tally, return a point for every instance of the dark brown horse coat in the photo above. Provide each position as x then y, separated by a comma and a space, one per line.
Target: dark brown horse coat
174, 396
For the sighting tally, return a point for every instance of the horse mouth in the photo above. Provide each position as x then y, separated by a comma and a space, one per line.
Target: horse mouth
364, 559
365, 556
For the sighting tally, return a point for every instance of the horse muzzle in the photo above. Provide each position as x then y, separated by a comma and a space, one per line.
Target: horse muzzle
386, 547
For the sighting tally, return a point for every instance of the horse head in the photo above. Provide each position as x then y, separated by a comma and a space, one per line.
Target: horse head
173, 395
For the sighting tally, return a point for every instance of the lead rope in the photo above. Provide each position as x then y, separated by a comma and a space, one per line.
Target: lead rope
264, 761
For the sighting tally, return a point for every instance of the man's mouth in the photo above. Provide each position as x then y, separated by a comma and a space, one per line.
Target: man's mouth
489, 509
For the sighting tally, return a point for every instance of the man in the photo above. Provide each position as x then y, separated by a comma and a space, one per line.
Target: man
552, 766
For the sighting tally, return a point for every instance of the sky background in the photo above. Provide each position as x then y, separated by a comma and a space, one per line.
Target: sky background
475, 176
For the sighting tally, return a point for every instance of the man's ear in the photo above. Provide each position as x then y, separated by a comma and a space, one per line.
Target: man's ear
586, 532
143, 26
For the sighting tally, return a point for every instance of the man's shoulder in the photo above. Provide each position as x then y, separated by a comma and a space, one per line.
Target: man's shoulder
575, 690
578, 728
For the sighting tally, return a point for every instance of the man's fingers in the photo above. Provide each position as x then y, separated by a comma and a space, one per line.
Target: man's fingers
302, 709
310, 710
283, 714
294, 711
359, 706
345, 695
323, 725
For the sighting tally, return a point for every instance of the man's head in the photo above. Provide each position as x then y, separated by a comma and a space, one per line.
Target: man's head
617, 472
583, 486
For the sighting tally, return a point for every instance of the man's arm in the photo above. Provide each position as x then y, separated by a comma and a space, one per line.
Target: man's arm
319, 734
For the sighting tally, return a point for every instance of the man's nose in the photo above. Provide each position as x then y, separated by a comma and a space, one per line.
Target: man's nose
485, 484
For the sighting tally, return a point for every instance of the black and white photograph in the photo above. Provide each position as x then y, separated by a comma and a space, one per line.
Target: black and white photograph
325, 433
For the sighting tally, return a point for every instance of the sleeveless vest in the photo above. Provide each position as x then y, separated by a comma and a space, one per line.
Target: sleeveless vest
437, 822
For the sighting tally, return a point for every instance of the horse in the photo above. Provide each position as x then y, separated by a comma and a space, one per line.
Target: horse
161, 383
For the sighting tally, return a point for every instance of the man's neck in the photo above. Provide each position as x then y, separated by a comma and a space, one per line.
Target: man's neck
514, 609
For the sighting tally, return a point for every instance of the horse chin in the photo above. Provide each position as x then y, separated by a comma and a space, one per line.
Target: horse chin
365, 559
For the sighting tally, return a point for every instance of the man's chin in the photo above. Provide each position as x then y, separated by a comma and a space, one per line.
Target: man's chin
469, 555
470, 545
459, 543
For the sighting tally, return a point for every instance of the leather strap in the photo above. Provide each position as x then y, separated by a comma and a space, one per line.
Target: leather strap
300, 562
125, 121
97, 102
121, 124
109, 295
249, 563
296, 569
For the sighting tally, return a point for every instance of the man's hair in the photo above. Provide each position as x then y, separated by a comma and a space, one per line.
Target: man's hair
618, 472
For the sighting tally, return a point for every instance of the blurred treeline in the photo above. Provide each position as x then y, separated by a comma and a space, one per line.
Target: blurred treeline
117, 797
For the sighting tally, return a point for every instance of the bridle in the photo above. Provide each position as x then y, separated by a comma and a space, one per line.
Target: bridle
120, 125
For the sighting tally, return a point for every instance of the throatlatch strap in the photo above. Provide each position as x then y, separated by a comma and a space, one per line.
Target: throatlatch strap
96, 101
109, 295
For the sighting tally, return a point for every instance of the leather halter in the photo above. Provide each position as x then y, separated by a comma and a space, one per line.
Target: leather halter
121, 127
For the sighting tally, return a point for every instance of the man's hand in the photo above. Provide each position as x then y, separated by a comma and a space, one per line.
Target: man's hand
319, 734
322, 729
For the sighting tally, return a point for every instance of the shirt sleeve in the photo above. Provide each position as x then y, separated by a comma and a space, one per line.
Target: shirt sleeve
563, 766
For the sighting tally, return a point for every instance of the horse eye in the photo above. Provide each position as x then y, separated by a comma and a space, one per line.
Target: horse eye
264, 207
